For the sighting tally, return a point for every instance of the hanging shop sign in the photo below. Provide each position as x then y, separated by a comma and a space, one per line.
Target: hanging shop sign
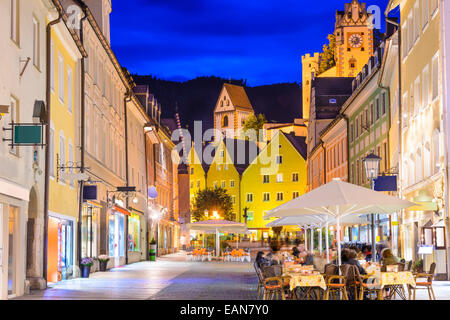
386, 183
89, 192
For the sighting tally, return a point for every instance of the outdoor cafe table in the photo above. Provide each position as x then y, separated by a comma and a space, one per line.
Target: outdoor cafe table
304, 282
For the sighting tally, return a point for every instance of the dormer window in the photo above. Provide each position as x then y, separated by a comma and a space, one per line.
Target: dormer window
332, 101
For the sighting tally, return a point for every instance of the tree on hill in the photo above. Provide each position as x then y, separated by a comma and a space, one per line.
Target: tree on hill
327, 57
210, 200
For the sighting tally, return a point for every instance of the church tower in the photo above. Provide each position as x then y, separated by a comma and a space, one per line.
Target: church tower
310, 67
232, 109
354, 39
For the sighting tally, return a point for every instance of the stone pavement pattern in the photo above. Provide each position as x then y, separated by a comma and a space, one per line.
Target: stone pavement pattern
171, 277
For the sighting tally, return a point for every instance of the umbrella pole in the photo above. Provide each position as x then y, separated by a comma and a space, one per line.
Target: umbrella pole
320, 240
312, 239
338, 240
326, 243
306, 239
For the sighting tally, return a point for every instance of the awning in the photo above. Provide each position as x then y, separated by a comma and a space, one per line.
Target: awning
121, 210
136, 211
94, 204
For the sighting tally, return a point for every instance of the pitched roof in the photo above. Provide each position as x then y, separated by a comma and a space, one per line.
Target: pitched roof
298, 142
238, 96
242, 152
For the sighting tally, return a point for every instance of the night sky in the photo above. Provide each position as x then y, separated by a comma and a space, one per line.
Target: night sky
258, 40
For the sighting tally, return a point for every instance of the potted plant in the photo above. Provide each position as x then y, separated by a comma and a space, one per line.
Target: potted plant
103, 261
86, 264
153, 250
418, 266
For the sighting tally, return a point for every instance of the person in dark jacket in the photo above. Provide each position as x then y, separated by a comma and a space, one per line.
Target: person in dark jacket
295, 252
349, 257
261, 260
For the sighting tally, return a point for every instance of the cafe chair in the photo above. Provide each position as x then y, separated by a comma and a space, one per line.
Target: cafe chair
425, 281
366, 286
260, 279
274, 282
336, 285
352, 281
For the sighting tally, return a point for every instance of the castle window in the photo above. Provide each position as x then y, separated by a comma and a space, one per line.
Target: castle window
225, 121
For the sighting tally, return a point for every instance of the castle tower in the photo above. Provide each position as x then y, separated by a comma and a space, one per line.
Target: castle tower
354, 39
310, 67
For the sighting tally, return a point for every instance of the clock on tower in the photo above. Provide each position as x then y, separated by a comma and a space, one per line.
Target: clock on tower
355, 40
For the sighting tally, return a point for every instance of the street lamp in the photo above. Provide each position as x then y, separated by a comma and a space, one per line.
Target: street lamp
372, 167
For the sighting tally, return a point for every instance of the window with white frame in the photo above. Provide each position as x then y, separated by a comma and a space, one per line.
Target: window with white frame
61, 77
233, 199
417, 96
52, 65
436, 151
14, 117
435, 79
416, 21
411, 175
69, 89
427, 161
36, 48
266, 196
279, 159
231, 183
279, 177
410, 32
14, 31
425, 87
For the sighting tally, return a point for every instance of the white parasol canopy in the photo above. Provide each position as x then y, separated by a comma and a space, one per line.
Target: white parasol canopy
339, 199
217, 226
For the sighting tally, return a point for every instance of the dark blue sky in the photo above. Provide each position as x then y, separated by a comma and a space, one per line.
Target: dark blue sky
258, 40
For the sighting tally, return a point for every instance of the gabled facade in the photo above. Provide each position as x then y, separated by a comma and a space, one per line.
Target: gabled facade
275, 176
232, 109
197, 172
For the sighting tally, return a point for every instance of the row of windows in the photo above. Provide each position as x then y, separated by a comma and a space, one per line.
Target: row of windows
358, 175
336, 155
418, 97
424, 162
417, 21
279, 177
63, 74
266, 196
368, 117
63, 160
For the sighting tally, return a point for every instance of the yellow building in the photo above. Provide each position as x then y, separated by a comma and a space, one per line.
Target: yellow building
197, 172
275, 176
232, 157
65, 62
310, 67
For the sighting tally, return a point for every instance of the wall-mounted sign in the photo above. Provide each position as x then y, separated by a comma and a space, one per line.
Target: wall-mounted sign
386, 183
27, 134
90, 192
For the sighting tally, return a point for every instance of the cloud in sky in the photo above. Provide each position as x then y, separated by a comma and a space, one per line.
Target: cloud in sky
258, 40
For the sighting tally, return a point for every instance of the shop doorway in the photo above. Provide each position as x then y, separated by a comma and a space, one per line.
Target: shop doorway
116, 241
60, 249
12, 243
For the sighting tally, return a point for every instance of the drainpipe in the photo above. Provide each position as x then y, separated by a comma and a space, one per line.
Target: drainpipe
126, 99
47, 139
82, 143
347, 120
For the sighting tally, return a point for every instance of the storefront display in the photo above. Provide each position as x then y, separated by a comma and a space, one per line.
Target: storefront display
116, 240
134, 232
60, 249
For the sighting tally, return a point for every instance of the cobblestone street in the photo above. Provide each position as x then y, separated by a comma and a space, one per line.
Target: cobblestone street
171, 277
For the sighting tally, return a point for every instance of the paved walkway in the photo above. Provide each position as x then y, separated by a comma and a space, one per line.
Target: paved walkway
171, 277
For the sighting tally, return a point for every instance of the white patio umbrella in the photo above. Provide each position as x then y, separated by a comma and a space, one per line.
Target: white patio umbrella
217, 226
319, 221
339, 199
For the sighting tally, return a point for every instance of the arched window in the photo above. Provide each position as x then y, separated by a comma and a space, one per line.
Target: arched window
225, 121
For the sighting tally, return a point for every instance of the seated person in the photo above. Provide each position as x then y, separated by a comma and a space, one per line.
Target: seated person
350, 258
307, 258
295, 252
387, 257
261, 260
367, 251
